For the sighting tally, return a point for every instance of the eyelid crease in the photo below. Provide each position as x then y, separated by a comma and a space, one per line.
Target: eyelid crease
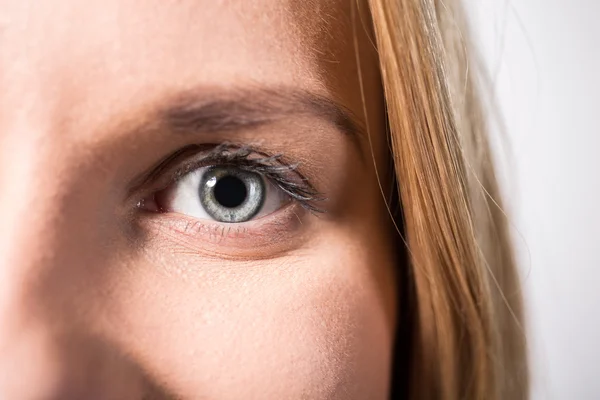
242, 156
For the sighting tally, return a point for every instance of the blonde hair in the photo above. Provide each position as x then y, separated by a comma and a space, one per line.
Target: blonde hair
463, 303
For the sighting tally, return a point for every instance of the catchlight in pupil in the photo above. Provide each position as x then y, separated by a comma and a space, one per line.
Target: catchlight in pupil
230, 191
223, 193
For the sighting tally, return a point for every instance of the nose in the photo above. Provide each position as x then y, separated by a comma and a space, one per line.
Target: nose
40, 364
51, 347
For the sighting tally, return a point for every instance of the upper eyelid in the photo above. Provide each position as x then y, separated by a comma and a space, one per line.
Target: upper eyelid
170, 169
215, 110
191, 157
162, 167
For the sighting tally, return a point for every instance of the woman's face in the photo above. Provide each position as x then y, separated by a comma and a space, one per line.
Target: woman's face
139, 259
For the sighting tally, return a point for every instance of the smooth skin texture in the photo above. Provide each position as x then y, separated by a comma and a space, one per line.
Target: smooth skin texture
100, 299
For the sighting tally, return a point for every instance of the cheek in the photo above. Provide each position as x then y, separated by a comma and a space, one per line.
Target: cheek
311, 325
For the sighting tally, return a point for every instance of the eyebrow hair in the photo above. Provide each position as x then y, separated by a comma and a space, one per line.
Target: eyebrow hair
230, 110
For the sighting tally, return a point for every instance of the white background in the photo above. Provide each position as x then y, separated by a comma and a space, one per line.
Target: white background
545, 56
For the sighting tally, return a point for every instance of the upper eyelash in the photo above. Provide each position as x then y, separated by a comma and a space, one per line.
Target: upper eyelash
269, 166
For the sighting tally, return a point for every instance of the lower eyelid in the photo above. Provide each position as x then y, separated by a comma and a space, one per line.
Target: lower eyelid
260, 238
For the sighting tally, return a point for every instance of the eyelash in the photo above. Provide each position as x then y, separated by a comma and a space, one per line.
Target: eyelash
272, 167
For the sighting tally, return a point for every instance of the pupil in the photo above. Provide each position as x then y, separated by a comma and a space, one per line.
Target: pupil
230, 192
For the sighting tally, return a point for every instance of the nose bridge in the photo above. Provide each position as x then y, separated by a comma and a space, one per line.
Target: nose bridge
23, 212
50, 208
48, 213
47, 351
42, 345
29, 254
28, 200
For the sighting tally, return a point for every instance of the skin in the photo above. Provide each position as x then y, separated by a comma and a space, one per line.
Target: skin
102, 300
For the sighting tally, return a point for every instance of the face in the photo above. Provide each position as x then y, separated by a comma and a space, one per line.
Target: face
190, 202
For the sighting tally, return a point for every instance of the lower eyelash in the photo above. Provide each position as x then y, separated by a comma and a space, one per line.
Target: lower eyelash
254, 237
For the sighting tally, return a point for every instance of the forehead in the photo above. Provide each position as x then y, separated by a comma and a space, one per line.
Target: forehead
92, 42
97, 58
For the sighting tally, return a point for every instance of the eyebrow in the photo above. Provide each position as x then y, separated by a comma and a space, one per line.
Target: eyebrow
205, 111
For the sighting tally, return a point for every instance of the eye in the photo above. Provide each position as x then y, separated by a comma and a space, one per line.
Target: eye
222, 193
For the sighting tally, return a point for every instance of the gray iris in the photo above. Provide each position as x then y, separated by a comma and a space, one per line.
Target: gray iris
230, 194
